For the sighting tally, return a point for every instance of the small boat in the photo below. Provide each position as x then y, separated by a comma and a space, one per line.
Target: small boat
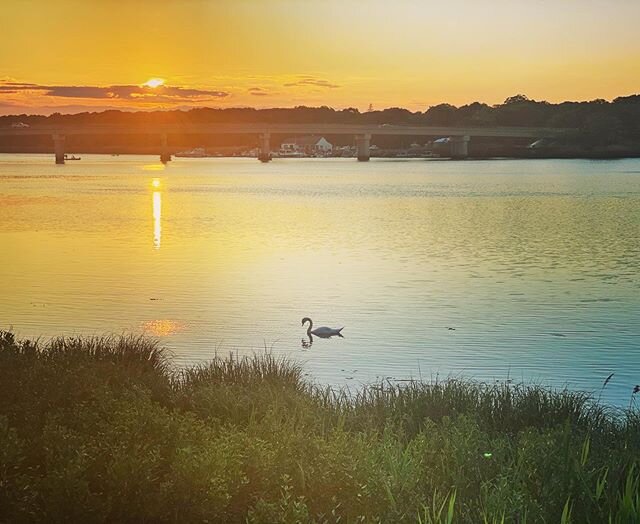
72, 157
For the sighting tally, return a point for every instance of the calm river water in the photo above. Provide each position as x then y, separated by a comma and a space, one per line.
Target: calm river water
534, 264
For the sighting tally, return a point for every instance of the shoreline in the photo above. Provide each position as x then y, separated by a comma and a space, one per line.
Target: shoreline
585, 156
101, 429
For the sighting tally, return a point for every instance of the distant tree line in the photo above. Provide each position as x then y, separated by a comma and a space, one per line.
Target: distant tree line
593, 124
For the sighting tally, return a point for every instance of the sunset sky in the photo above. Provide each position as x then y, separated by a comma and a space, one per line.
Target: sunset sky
75, 55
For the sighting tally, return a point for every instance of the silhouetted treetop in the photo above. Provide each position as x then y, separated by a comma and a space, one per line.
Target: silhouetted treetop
516, 99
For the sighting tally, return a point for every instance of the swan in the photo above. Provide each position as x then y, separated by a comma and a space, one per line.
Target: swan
322, 332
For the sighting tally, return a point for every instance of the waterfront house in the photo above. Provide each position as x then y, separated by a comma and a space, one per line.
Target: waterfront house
306, 145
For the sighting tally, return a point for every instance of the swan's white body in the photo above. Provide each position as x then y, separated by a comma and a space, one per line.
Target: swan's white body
323, 331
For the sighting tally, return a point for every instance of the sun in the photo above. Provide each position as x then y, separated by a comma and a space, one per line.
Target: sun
154, 82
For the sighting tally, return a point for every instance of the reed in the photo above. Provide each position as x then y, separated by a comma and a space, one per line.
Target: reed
106, 430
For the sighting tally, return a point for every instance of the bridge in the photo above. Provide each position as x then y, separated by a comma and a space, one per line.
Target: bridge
459, 136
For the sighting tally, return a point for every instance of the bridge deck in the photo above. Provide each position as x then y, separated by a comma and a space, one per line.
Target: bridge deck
285, 129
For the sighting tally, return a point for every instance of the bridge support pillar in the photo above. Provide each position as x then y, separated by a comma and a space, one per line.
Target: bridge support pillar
459, 146
363, 144
265, 148
165, 155
58, 148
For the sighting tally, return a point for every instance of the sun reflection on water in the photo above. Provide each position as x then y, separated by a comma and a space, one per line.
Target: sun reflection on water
157, 214
162, 327
153, 167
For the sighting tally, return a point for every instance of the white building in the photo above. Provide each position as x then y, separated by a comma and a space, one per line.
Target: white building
306, 145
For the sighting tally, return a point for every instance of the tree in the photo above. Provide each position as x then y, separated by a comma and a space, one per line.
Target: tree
442, 115
516, 99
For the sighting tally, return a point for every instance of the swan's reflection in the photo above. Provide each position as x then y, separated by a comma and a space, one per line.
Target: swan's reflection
306, 344
157, 219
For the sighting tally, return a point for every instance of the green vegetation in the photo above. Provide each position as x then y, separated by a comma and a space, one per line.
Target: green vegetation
103, 430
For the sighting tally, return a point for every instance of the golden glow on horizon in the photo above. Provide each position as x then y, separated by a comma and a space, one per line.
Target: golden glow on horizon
154, 82
275, 53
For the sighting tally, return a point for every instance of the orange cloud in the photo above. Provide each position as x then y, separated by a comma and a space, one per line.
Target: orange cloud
161, 93
314, 82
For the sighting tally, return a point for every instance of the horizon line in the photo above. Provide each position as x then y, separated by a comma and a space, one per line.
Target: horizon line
184, 109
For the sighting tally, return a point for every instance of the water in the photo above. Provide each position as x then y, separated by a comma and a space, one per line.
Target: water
534, 264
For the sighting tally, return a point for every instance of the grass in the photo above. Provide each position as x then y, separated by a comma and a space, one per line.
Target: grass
105, 430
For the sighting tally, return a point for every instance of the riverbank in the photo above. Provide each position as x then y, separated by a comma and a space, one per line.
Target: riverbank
105, 430
476, 153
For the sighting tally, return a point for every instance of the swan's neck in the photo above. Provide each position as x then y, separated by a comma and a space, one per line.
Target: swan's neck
310, 327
